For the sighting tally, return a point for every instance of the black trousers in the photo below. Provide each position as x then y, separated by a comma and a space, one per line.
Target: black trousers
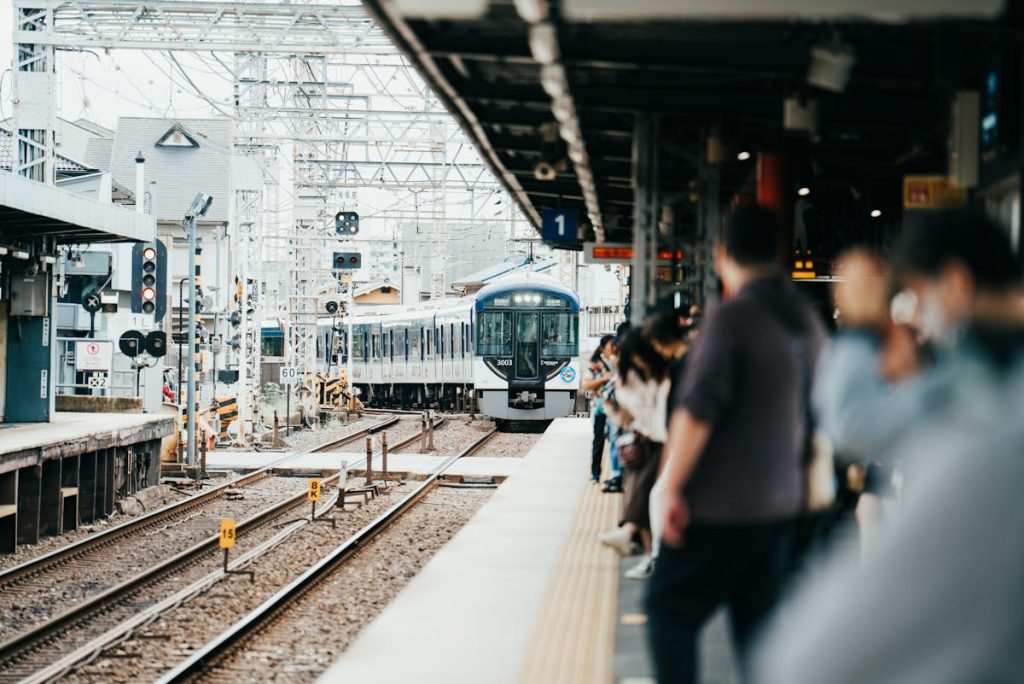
742, 566
597, 450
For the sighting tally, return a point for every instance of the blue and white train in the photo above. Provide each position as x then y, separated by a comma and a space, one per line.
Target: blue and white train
514, 345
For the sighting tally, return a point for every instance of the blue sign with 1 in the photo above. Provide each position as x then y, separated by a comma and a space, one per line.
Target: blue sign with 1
560, 225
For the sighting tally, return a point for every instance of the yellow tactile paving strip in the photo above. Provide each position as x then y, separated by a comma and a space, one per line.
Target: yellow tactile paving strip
573, 639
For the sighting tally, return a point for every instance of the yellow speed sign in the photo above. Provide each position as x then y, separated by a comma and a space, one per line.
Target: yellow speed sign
313, 493
227, 533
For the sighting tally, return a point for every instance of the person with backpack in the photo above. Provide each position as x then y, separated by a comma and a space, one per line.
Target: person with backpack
733, 472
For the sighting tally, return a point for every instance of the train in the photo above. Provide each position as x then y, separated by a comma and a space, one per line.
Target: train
512, 348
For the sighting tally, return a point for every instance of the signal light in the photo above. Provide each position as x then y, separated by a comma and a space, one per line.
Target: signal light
346, 223
149, 274
347, 260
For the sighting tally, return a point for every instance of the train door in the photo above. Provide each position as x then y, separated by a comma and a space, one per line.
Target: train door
527, 359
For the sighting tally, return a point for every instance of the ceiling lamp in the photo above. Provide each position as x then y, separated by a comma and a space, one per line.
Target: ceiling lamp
876, 213
743, 156
830, 67
804, 191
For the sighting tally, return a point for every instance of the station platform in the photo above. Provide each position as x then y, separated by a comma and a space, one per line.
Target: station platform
523, 593
70, 434
71, 470
420, 464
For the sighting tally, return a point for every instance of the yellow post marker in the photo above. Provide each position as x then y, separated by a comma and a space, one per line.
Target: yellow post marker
313, 494
227, 533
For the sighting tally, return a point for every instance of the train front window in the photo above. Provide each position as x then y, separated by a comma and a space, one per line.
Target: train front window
559, 335
526, 346
494, 333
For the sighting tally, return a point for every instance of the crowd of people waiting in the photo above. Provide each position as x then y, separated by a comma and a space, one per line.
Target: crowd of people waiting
748, 442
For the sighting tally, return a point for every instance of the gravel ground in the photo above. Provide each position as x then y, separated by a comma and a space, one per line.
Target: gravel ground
37, 598
309, 439
509, 444
324, 622
173, 636
27, 552
454, 435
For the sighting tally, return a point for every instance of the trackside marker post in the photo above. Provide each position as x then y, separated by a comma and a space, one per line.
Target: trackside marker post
228, 534
313, 494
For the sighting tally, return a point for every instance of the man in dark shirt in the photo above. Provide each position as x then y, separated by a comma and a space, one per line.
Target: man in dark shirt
734, 462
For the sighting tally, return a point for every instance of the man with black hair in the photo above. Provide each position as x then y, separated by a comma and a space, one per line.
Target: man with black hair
733, 465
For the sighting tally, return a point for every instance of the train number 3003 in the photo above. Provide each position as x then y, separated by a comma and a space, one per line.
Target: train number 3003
503, 362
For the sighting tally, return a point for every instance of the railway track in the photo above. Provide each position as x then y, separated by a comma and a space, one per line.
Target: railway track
277, 606
19, 573
33, 650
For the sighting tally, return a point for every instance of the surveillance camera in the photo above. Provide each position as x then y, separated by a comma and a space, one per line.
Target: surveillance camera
200, 205
544, 171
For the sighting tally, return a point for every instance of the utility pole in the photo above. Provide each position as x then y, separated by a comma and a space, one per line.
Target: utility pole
199, 207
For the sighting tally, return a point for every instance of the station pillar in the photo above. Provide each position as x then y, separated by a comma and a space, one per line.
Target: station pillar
775, 191
642, 286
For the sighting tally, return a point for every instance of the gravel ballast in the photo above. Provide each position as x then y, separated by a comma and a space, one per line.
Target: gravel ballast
37, 598
324, 622
175, 635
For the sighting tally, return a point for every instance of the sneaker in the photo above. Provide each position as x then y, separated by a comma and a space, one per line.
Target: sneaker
612, 486
619, 539
595, 479
641, 570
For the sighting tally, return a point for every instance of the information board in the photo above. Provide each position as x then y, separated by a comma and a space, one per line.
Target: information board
93, 355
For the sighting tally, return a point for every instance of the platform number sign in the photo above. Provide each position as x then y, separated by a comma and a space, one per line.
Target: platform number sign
313, 493
227, 533
560, 225
289, 375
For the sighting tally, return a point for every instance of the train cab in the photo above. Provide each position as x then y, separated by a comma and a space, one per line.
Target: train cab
526, 365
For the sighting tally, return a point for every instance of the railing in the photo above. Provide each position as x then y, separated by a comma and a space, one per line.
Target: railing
118, 382
600, 320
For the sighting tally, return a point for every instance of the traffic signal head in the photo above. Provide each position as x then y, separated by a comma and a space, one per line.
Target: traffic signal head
347, 260
346, 223
149, 276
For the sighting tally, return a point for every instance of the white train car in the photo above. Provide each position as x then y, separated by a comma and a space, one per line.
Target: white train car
514, 345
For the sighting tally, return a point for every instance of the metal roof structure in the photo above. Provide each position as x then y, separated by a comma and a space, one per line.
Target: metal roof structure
584, 69
30, 210
65, 167
474, 281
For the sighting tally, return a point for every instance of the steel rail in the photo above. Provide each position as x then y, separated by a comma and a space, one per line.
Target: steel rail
22, 644
262, 615
64, 554
123, 630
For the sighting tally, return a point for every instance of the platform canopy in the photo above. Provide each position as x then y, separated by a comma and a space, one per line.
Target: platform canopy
31, 210
515, 72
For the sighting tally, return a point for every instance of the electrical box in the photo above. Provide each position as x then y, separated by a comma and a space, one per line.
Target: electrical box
30, 294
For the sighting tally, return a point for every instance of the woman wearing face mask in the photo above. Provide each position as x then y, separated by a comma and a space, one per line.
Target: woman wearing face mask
875, 395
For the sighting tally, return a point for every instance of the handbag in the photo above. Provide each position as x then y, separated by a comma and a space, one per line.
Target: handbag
633, 449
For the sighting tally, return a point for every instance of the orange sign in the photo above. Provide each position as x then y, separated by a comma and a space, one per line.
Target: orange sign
931, 192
